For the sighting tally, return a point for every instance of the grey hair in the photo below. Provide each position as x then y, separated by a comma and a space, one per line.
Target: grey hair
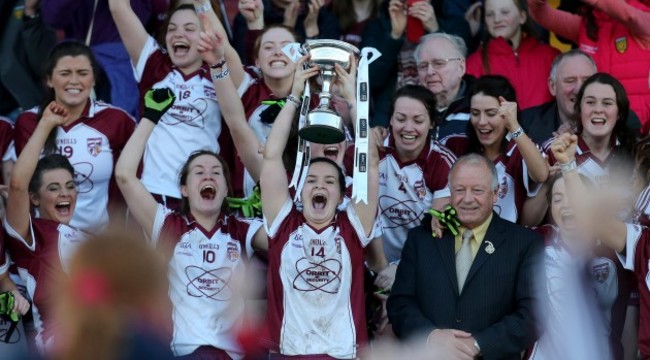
454, 40
474, 159
569, 54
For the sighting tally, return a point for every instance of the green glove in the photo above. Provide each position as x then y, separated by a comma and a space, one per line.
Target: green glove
7, 306
157, 102
250, 206
447, 218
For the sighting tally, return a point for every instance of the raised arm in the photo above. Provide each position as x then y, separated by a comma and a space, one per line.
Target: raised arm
562, 23
535, 162
634, 19
212, 49
133, 34
18, 202
211, 24
590, 215
273, 177
140, 202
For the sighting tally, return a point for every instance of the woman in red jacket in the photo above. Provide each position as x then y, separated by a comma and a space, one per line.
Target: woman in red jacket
511, 50
616, 34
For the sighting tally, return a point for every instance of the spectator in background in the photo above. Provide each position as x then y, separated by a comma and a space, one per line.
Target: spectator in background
23, 41
440, 61
90, 21
309, 18
396, 34
616, 34
568, 72
510, 49
92, 137
353, 17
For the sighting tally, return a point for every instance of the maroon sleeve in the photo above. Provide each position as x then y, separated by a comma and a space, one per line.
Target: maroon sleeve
6, 134
437, 168
123, 126
457, 144
157, 67
25, 126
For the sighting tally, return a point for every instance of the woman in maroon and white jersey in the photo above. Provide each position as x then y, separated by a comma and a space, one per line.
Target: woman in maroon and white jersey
316, 257
204, 245
42, 246
494, 132
92, 138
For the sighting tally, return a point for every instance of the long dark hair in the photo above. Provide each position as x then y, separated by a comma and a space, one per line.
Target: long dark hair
47, 163
641, 153
66, 48
494, 86
344, 11
185, 170
527, 29
621, 131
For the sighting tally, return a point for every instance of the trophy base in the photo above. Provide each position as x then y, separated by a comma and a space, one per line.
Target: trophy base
323, 127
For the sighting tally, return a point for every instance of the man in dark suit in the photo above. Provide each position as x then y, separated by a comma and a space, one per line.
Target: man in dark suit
472, 294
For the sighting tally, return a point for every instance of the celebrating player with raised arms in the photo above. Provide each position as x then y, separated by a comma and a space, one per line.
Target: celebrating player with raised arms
316, 257
42, 246
194, 121
205, 246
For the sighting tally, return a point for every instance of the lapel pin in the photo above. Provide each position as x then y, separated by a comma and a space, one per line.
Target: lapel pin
489, 248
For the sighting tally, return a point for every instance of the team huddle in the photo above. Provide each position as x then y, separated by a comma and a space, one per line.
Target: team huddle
483, 232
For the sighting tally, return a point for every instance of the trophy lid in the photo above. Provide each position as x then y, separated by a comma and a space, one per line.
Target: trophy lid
328, 52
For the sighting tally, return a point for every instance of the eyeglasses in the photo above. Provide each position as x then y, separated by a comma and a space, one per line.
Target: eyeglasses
437, 64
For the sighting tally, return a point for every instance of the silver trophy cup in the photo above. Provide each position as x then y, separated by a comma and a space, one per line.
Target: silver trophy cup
324, 125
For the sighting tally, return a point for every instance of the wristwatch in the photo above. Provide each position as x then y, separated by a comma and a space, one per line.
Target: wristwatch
477, 347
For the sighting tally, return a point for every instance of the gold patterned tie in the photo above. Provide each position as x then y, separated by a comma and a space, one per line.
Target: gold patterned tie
464, 259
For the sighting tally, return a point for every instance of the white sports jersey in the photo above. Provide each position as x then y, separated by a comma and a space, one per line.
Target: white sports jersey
204, 268
315, 287
41, 264
573, 325
192, 123
407, 190
92, 144
588, 164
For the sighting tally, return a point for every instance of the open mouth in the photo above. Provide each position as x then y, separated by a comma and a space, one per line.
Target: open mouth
319, 201
73, 91
568, 220
208, 192
180, 48
331, 152
63, 208
598, 121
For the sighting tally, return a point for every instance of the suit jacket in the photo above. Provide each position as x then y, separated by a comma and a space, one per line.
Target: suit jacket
499, 296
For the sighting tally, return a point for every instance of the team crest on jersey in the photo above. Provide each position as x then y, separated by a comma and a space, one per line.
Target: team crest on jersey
503, 188
232, 251
621, 44
420, 189
94, 146
209, 92
601, 272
